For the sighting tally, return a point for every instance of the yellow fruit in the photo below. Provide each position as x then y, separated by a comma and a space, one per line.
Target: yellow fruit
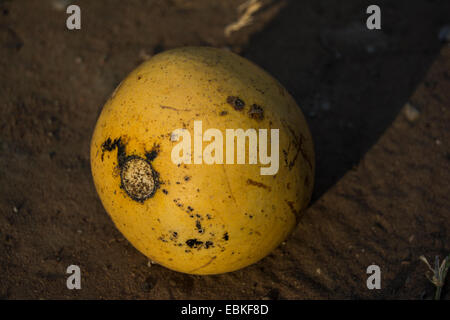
197, 217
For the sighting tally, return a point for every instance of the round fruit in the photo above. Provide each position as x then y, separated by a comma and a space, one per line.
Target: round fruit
179, 179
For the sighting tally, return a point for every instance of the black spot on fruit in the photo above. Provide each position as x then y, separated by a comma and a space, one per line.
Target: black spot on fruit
137, 176
208, 244
256, 112
258, 184
198, 225
110, 145
237, 103
152, 154
225, 236
194, 243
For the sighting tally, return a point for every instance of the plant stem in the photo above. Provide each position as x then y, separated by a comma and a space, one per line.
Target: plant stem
437, 296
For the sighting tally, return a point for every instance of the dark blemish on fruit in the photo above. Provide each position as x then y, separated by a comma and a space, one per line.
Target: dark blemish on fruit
285, 154
208, 216
179, 204
190, 208
137, 176
236, 103
302, 152
161, 238
307, 181
109, 145
225, 236
198, 190
297, 213
298, 143
175, 234
198, 225
250, 216
139, 77
258, 184
178, 182
256, 112
174, 109
187, 178
165, 191
208, 244
223, 113
194, 243
152, 154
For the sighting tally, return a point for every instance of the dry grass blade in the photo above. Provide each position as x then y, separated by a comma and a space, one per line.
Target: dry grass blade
438, 274
247, 9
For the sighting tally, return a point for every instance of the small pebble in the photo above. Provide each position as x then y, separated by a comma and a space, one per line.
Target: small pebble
411, 113
150, 263
61, 5
144, 55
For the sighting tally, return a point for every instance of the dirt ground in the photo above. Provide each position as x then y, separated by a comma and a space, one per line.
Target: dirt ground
382, 180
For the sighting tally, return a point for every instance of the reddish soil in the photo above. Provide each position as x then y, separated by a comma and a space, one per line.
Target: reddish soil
382, 181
